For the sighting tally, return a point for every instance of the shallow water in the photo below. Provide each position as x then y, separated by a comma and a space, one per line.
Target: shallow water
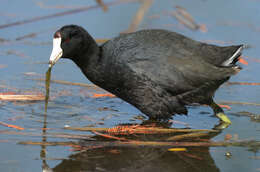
23, 61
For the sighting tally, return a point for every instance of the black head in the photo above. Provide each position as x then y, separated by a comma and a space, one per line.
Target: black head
71, 42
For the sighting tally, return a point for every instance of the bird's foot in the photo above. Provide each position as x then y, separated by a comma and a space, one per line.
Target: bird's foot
222, 125
224, 121
223, 117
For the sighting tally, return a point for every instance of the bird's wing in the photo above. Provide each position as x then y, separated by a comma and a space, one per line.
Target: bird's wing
169, 59
220, 56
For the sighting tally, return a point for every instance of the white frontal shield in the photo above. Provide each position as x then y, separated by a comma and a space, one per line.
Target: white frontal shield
56, 51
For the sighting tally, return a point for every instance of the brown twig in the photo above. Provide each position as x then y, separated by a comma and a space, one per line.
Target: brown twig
243, 61
102, 4
187, 136
68, 12
240, 103
48, 143
11, 126
110, 137
146, 4
187, 20
243, 83
54, 135
18, 97
184, 13
95, 95
150, 144
100, 41
42, 5
225, 106
68, 83
143, 130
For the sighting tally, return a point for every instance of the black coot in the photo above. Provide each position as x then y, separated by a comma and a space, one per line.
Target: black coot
157, 71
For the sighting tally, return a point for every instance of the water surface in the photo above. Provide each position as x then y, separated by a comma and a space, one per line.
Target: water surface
228, 22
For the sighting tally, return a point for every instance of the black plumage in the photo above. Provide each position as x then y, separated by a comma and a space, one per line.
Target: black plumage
157, 71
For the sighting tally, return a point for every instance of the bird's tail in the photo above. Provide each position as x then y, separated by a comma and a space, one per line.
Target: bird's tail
234, 58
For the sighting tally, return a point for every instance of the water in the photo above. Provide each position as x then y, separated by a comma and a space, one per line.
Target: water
233, 21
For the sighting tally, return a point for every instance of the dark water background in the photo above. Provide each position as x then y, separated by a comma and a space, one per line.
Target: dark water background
228, 22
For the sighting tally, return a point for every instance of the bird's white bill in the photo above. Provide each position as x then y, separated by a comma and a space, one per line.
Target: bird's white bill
56, 51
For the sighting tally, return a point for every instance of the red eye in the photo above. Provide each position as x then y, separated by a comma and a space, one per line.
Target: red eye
67, 40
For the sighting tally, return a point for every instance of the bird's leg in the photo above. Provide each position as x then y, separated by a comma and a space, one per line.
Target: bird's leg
220, 113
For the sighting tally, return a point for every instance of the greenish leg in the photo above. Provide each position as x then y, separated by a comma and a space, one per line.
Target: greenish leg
220, 113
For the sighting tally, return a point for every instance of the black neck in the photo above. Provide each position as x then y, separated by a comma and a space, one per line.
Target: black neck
88, 58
